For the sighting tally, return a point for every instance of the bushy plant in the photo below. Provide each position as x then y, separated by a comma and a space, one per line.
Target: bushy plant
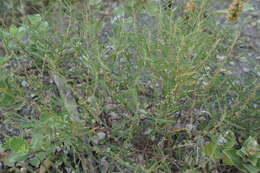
147, 95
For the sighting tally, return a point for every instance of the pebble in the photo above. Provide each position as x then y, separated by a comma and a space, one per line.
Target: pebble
243, 59
24, 84
91, 99
189, 127
228, 73
68, 170
114, 116
109, 107
204, 83
97, 138
254, 24
148, 131
225, 71
246, 69
220, 57
232, 63
104, 165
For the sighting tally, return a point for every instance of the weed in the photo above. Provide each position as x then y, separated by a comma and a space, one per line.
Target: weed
147, 95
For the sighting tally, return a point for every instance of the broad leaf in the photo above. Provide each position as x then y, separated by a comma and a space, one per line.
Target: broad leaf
15, 157
17, 145
231, 158
210, 149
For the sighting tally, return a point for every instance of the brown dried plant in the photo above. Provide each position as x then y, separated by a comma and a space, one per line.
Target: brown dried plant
235, 10
190, 6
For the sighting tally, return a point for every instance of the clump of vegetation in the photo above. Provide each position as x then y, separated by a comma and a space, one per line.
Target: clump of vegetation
140, 88
235, 10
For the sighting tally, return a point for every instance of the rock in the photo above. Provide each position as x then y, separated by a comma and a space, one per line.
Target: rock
109, 107
220, 57
104, 165
100, 136
114, 116
24, 84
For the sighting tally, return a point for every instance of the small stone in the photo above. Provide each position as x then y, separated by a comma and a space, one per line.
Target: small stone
108, 99
207, 68
254, 23
23, 170
223, 70
33, 96
204, 83
232, 63
228, 73
100, 136
109, 107
68, 170
24, 84
91, 99
255, 13
114, 116
142, 113
246, 69
148, 131
189, 127
104, 165
220, 57
2, 52
257, 58
108, 149
243, 59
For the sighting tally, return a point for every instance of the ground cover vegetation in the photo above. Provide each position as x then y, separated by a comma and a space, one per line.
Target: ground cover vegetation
125, 86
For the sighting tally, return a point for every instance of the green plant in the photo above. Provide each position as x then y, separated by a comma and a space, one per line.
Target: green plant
246, 158
140, 101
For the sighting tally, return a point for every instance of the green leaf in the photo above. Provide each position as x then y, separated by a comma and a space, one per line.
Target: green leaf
119, 11
250, 146
35, 162
38, 141
253, 160
3, 60
251, 169
45, 116
241, 154
17, 145
44, 26
152, 8
15, 157
35, 19
248, 7
39, 157
9, 95
231, 158
13, 30
230, 140
210, 149
133, 102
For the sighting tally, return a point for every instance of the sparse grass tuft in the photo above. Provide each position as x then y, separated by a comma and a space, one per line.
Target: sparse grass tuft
135, 89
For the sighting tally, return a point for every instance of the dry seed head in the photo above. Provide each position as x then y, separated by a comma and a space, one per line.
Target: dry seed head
190, 6
235, 10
